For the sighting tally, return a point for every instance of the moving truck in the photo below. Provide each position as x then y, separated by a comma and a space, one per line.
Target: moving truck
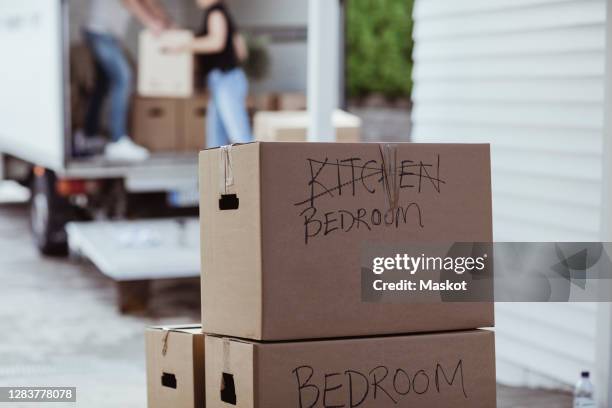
36, 131
36, 134
134, 221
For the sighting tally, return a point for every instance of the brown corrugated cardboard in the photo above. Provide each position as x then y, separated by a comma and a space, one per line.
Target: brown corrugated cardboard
292, 101
175, 367
291, 126
269, 275
262, 102
193, 133
170, 124
163, 74
156, 124
455, 369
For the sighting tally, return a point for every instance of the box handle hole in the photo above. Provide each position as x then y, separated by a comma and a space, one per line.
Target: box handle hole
228, 389
156, 112
168, 380
229, 202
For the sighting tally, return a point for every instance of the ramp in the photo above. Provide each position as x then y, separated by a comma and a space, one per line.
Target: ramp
139, 250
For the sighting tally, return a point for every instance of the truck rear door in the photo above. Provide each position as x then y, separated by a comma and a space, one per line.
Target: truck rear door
32, 78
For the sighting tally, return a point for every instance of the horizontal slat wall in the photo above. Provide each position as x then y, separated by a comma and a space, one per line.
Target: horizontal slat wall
526, 76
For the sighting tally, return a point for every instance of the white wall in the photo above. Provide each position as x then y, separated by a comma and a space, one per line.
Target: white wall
528, 77
289, 58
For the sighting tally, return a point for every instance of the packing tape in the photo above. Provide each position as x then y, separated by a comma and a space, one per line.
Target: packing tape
391, 185
165, 342
226, 173
226, 356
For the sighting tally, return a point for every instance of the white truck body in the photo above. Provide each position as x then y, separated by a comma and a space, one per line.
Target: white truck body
34, 103
32, 79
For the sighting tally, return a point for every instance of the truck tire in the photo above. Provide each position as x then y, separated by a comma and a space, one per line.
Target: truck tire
48, 215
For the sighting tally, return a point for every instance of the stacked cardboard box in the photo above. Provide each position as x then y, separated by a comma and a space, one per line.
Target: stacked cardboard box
170, 124
167, 115
283, 230
175, 366
423, 370
162, 74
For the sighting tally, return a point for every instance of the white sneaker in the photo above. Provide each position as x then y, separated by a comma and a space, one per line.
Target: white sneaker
125, 150
84, 144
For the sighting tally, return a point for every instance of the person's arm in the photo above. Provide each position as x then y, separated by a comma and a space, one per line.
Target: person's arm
242, 51
211, 43
156, 9
144, 15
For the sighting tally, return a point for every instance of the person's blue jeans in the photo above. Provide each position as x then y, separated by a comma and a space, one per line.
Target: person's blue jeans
227, 120
114, 74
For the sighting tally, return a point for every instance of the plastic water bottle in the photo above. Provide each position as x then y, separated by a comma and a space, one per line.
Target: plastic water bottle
583, 393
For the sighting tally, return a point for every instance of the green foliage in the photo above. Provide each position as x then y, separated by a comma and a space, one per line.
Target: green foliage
257, 65
379, 47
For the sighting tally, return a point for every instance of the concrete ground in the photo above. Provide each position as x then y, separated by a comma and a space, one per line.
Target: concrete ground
61, 327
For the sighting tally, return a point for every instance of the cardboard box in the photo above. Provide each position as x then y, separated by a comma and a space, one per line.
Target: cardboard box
262, 102
193, 133
292, 101
291, 126
170, 124
162, 74
156, 124
454, 369
269, 274
175, 366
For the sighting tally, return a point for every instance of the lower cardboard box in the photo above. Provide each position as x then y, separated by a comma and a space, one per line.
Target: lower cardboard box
156, 123
452, 369
170, 124
193, 132
262, 102
175, 366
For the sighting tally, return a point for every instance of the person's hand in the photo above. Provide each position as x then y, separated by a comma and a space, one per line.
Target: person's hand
157, 27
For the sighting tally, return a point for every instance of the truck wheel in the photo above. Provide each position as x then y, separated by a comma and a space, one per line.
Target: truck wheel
48, 216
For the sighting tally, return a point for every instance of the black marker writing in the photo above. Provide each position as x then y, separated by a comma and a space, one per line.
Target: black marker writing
330, 179
354, 388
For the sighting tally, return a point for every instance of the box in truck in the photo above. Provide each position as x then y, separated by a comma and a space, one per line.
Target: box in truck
163, 74
170, 124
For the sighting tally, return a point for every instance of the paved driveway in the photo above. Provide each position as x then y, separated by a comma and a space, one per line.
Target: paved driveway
60, 326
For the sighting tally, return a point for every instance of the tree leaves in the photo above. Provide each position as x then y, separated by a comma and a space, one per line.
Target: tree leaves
379, 47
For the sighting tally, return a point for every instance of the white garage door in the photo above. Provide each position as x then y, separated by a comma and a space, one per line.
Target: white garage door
528, 77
